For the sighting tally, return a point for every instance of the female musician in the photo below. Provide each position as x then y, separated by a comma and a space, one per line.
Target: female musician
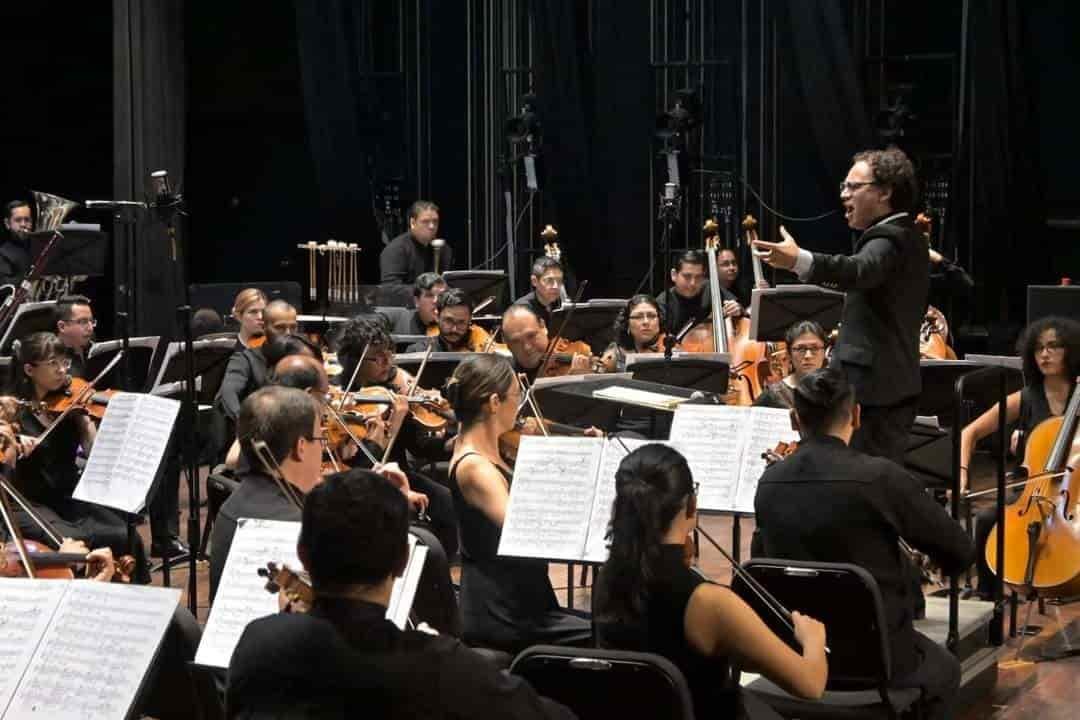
48, 476
506, 603
639, 328
647, 598
1050, 349
248, 311
806, 343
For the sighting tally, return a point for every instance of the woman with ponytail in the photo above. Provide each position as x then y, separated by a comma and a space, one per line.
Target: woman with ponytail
506, 603
646, 597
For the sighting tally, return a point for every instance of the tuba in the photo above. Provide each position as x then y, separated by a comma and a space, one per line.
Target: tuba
51, 211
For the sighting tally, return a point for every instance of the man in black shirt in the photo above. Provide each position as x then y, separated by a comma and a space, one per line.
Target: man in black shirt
14, 246
526, 336
831, 503
247, 371
75, 325
688, 301
546, 279
344, 658
411, 253
454, 318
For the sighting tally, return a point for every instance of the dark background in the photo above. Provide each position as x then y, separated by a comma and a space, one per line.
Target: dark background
298, 112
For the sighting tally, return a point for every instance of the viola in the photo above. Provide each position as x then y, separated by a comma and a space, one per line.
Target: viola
54, 565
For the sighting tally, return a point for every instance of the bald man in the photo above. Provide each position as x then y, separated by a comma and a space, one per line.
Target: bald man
247, 371
526, 335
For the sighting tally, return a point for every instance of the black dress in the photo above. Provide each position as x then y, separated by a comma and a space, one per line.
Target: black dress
663, 633
506, 603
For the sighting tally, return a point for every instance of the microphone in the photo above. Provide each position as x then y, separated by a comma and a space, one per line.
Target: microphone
165, 201
436, 247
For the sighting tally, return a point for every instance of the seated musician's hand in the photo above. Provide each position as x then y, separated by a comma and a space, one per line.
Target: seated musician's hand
73, 546
581, 365
530, 426
417, 501
100, 566
809, 632
782, 254
9, 408
732, 309
935, 256
25, 445
377, 431
393, 472
594, 432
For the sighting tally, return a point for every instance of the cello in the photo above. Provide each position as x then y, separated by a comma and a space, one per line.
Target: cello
1041, 529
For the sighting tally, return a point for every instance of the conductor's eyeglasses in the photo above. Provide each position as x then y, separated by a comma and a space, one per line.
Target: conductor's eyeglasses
853, 186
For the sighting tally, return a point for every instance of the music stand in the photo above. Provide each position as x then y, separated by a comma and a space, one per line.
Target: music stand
29, 318
573, 402
708, 372
592, 321
142, 352
402, 342
774, 310
479, 285
81, 249
211, 359
439, 368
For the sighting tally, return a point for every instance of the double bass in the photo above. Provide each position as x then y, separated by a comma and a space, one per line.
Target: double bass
1041, 529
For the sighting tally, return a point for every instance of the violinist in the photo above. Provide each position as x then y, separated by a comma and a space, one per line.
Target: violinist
526, 335
455, 328
547, 280
829, 502
886, 285
639, 328
506, 603
806, 343
688, 300
1050, 348
647, 599
49, 474
75, 325
344, 658
248, 310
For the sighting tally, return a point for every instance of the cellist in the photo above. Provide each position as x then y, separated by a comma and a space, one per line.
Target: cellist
1050, 349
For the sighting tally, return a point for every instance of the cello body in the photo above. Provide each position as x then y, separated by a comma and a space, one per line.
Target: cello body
1042, 528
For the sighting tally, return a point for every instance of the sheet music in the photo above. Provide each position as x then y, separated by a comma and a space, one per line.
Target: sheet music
127, 451
768, 426
241, 596
551, 497
613, 454
641, 398
92, 658
26, 607
711, 438
404, 590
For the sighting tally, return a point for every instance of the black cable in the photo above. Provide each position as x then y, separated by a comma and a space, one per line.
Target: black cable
772, 211
517, 222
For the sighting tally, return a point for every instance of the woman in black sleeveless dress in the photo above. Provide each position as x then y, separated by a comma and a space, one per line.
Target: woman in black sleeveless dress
1050, 349
507, 603
648, 599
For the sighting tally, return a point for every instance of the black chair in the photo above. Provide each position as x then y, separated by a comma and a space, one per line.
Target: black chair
846, 599
607, 683
219, 486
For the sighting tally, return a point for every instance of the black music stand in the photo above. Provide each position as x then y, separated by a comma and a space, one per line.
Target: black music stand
573, 402
479, 285
439, 368
774, 310
29, 318
142, 351
707, 372
81, 249
211, 359
592, 321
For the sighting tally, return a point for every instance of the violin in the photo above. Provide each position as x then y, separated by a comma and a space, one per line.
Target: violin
296, 586
510, 441
77, 394
54, 565
778, 453
561, 358
478, 339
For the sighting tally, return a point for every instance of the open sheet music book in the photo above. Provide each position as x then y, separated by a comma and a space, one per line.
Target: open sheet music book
723, 445
77, 649
242, 595
127, 451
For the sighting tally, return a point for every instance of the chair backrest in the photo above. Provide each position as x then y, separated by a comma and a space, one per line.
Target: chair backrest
845, 598
607, 683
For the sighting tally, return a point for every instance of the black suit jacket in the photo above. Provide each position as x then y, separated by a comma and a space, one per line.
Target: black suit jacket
830, 503
347, 660
403, 259
886, 282
14, 259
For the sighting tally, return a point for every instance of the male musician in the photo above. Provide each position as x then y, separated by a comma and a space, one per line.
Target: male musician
886, 284
410, 254
343, 658
454, 318
75, 325
688, 300
727, 266
547, 280
426, 291
14, 248
829, 502
526, 334
246, 371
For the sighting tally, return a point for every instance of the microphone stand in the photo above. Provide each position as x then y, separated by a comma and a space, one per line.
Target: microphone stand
669, 215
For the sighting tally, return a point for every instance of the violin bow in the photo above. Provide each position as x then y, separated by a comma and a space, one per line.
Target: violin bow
13, 529
352, 380
262, 451
336, 416
554, 340
530, 402
88, 390
412, 388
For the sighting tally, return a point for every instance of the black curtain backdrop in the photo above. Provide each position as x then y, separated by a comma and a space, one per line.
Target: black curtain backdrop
149, 132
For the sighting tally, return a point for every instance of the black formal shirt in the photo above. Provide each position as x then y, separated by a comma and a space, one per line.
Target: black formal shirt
830, 503
404, 259
684, 310
49, 474
258, 497
542, 311
344, 659
245, 373
14, 258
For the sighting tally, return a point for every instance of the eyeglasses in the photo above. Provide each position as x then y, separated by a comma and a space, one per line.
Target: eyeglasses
450, 322
379, 357
320, 438
853, 186
806, 349
56, 363
1052, 346
84, 321
551, 282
